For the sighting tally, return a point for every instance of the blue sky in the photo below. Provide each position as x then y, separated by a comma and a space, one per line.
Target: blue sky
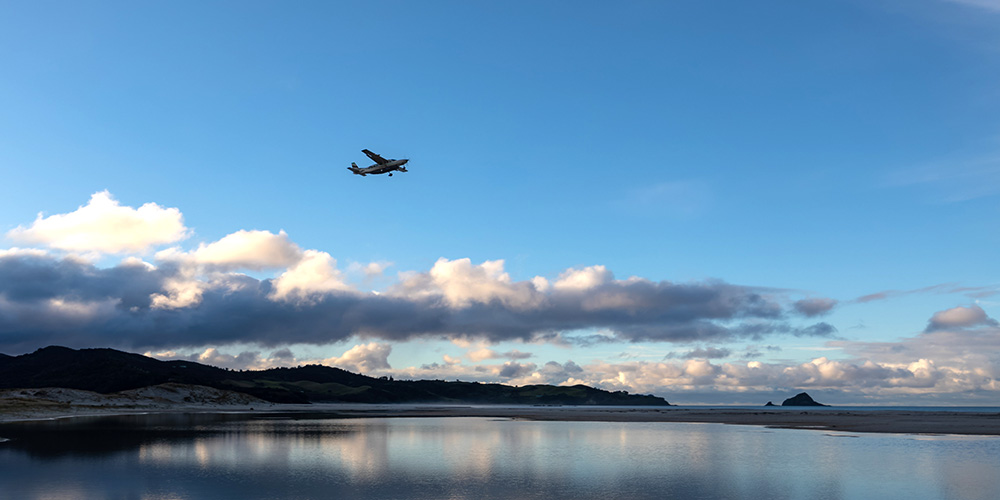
735, 158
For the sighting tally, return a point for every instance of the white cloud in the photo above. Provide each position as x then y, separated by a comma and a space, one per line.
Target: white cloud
307, 275
178, 292
105, 226
363, 358
460, 283
254, 250
315, 274
583, 279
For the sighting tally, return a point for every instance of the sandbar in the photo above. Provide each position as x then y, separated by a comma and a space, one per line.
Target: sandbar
827, 419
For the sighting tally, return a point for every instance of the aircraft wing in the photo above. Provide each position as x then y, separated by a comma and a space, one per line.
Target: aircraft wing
375, 158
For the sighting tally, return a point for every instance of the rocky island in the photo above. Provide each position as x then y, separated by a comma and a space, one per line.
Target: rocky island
800, 399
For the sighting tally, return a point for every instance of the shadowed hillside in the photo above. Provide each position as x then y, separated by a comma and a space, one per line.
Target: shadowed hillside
108, 370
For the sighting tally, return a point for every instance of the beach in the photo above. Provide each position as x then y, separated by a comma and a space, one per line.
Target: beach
884, 421
33, 404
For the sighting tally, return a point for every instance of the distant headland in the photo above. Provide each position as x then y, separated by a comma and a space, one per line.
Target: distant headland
107, 371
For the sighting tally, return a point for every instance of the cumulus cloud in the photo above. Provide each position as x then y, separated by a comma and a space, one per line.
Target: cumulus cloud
363, 358
316, 274
105, 226
960, 317
459, 283
182, 290
254, 250
583, 279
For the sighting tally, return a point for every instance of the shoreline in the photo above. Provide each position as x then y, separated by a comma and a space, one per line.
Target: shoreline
829, 419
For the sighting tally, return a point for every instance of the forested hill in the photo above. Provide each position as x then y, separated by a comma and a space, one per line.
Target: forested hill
110, 370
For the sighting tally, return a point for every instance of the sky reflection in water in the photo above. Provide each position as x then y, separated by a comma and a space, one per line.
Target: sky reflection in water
236, 456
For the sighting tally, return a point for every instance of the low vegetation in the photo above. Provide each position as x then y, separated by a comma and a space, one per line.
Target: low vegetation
107, 370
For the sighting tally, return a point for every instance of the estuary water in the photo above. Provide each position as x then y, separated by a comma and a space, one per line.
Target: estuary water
311, 456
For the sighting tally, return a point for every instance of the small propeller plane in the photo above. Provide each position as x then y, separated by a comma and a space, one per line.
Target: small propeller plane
381, 165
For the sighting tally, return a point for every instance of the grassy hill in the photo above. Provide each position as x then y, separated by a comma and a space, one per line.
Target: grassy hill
108, 370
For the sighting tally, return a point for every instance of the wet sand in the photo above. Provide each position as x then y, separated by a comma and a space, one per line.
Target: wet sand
829, 419
885, 421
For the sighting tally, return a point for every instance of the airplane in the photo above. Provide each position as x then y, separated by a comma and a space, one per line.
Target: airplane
381, 165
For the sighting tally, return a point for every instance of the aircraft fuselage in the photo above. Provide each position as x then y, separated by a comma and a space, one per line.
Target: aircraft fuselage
380, 169
381, 165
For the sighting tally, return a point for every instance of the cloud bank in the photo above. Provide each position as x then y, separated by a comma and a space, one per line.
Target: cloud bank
46, 299
202, 296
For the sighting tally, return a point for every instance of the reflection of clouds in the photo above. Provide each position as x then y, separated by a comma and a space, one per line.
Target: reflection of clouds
363, 454
155, 453
484, 458
281, 445
201, 452
464, 449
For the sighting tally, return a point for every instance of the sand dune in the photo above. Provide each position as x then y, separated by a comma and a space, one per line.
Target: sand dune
54, 402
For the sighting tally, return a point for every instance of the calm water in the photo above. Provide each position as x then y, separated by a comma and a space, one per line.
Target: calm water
240, 456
